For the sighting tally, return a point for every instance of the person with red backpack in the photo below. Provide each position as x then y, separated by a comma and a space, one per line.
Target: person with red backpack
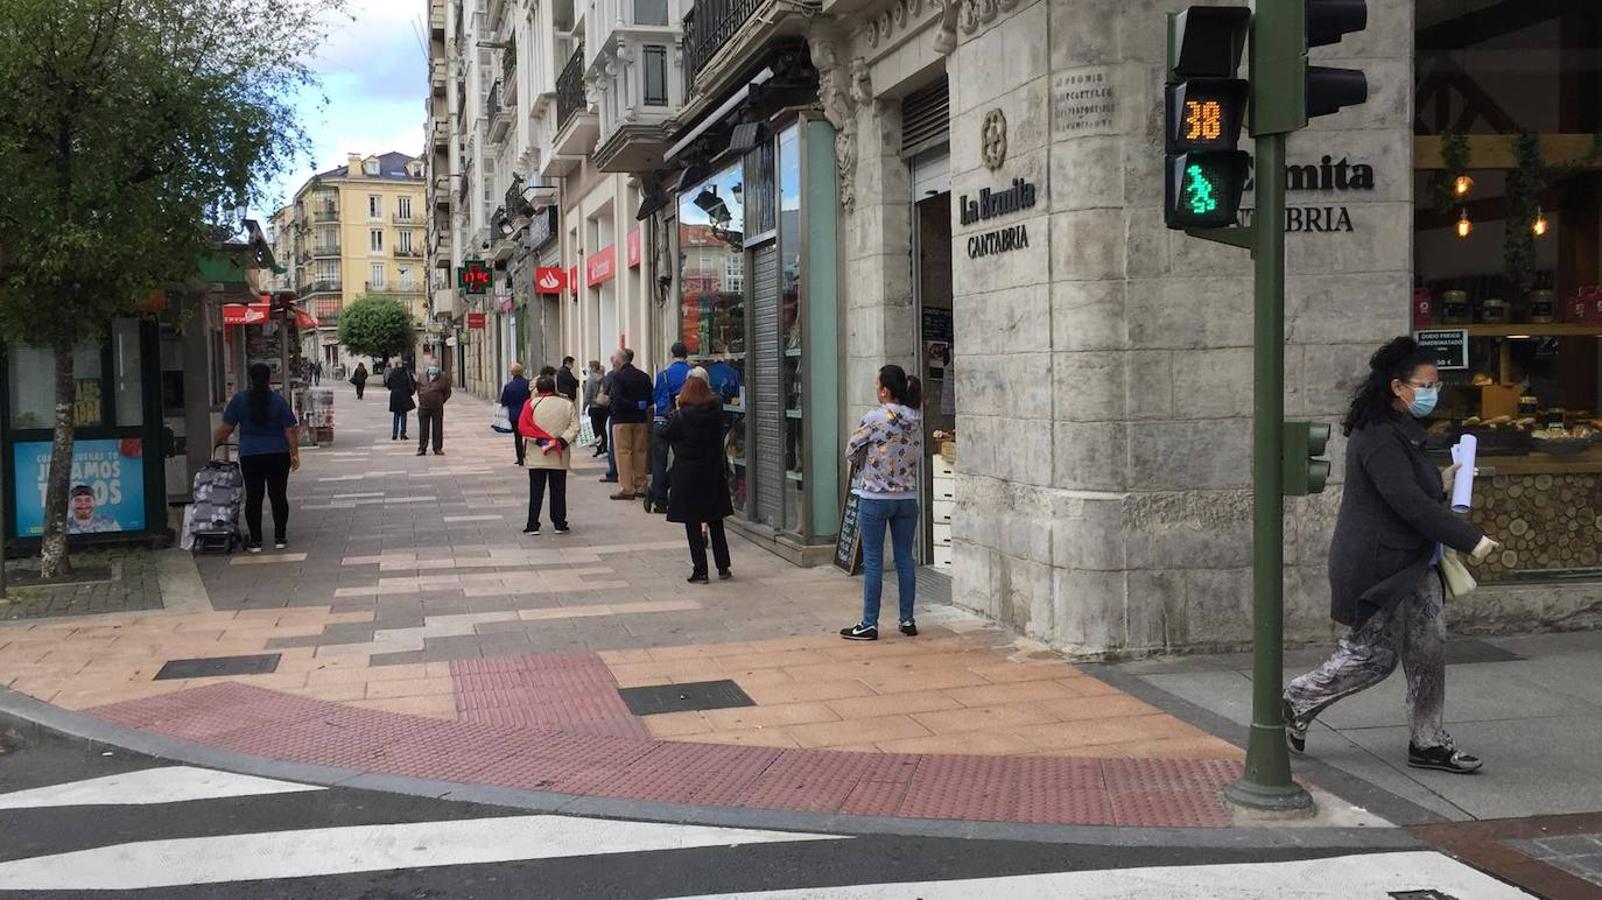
548, 426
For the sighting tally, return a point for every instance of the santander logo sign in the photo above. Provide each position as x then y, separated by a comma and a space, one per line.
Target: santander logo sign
549, 280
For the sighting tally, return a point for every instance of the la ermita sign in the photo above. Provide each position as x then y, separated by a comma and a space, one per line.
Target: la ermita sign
992, 204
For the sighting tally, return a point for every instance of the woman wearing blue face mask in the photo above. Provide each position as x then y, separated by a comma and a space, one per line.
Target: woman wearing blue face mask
1385, 583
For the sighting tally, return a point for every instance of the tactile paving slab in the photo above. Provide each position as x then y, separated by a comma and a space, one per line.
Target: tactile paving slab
1135, 792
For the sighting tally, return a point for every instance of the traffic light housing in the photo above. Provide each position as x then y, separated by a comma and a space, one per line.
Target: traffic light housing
1205, 105
1305, 470
1286, 90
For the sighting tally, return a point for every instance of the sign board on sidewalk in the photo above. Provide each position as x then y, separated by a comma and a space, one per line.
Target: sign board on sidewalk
475, 320
848, 545
1450, 346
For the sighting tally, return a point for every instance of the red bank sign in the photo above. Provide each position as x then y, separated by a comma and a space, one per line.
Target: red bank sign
549, 280
634, 249
600, 266
475, 321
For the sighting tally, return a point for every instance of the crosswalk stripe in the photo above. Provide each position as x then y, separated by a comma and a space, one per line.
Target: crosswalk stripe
364, 848
1357, 877
146, 787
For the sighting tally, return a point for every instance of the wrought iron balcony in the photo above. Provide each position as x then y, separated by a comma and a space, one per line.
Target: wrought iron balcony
707, 27
408, 219
318, 287
325, 250
570, 89
412, 252
325, 214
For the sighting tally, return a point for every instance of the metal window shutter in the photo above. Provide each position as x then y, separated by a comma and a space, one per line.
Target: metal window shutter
767, 365
925, 118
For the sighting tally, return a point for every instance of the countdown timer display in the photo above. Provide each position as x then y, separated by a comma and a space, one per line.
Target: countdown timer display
1206, 114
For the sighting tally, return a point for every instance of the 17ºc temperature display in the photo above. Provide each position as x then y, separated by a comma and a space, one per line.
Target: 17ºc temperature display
1204, 120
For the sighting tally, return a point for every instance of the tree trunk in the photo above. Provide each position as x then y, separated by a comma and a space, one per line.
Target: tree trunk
53, 559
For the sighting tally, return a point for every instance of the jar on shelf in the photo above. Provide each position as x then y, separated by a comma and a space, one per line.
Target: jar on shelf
1529, 405
1494, 312
1455, 308
1543, 307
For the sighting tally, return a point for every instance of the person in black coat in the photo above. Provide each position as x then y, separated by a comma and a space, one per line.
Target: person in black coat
567, 384
698, 484
401, 386
513, 396
1384, 574
359, 378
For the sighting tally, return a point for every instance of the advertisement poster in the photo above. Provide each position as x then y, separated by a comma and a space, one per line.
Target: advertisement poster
107, 492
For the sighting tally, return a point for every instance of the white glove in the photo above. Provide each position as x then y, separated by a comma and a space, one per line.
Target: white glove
1483, 550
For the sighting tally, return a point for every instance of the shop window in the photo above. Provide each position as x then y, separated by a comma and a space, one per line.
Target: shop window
1507, 274
654, 61
789, 223
33, 391
759, 204
126, 381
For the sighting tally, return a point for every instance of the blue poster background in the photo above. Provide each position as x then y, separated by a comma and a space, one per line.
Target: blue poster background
113, 469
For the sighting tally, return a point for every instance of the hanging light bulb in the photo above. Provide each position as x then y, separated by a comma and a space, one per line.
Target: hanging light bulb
1461, 185
1540, 226
1464, 226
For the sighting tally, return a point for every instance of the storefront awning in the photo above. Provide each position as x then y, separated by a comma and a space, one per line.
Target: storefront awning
305, 320
246, 313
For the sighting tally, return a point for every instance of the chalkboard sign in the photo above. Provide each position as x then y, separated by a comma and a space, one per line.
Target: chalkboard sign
1451, 347
848, 546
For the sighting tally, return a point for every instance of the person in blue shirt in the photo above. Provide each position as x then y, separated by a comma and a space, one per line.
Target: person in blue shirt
269, 449
513, 396
669, 382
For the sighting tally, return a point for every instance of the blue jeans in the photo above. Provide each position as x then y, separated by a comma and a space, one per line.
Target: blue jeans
611, 452
397, 428
902, 518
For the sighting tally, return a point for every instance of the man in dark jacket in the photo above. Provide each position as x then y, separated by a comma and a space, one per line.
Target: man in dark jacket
431, 397
567, 384
669, 382
401, 388
513, 396
631, 426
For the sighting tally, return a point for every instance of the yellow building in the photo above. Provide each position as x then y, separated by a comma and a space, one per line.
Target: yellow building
354, 230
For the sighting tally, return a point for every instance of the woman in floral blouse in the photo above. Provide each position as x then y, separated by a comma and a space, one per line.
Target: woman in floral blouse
886, 447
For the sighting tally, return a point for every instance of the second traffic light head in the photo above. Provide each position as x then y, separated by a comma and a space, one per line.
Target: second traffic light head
1330, 89
1329, 20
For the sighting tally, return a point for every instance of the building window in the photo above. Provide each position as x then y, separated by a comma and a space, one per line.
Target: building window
655, 64
375, 240
371, 167
375, 281
403, 242
650, 12
403, 209
406, 284
375, 206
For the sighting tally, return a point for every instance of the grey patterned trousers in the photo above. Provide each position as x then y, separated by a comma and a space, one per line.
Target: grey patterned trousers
1412, 632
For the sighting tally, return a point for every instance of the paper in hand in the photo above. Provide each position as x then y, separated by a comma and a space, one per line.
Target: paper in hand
1463, 453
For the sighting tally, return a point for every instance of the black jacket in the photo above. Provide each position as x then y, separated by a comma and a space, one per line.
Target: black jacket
1393, 513
401, 388
698, 484
566, 384
631, 396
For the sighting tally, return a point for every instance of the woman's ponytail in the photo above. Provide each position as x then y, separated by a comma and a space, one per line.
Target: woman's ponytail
904, 389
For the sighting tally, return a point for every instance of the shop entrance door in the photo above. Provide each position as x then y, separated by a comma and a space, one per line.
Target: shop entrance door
932, 289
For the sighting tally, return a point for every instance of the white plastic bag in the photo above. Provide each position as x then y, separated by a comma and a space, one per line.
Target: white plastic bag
501, 422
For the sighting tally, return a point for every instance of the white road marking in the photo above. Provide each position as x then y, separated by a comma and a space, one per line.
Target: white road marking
169, 784
365, 848
1359, 877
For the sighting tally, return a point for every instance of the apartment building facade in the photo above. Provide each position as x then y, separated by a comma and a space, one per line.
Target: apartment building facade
351, 231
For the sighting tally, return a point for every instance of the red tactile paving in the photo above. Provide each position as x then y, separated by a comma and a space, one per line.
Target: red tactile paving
557, 749
566, 691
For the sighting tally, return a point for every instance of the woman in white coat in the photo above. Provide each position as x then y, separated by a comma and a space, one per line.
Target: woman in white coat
549, 425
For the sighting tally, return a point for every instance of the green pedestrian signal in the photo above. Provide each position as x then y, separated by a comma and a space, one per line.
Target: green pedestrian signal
1205, 106
1305, 470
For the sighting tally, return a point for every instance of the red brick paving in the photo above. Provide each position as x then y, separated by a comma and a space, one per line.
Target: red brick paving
1165, 792
559, 691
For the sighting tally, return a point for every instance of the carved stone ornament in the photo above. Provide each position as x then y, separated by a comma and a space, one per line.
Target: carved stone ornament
839, 88
993, 139
899, 16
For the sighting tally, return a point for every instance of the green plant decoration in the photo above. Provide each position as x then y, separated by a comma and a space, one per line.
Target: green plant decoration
1524, 183
1454, 162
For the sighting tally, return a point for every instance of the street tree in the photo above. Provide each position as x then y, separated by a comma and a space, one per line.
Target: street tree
377, 326
133, 133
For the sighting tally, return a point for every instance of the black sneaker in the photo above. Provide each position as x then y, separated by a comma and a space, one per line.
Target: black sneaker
860, 632
724, 574
1443, 758
1295, 729
609, 479
534, 530
909, 628
698, 578
279, 545
561, 529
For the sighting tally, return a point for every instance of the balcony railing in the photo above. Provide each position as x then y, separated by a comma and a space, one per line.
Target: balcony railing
318, 287
376, 287
407, 219
707, 27
325, 250
412, 252
570, 88
325, 214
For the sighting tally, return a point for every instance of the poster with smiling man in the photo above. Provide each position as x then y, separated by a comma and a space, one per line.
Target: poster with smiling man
107, 492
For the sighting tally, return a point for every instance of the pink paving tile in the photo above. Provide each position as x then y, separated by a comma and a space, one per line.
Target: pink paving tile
822, 782
1169, 774
962, 787
1065, 807
1169, 809
875, 798
566, 691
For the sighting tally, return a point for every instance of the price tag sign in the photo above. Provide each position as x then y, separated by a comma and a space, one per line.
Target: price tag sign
1451, 347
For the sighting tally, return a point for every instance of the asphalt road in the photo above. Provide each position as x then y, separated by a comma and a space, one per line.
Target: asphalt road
161, 830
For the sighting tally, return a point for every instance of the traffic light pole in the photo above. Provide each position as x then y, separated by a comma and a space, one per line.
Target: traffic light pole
1267, 783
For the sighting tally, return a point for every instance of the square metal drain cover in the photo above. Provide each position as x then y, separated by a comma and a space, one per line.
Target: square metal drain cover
259, 664
669, 698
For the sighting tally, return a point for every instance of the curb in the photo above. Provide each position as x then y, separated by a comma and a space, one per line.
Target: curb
28, 715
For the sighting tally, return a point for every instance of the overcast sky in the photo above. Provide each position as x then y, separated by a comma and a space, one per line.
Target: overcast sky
375, 74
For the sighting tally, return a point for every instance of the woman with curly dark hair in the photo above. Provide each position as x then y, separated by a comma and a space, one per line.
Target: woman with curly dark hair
1384, 572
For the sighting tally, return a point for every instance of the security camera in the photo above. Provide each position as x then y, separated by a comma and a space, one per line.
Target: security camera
484, 245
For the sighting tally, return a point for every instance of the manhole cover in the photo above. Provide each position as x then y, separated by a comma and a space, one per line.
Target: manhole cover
698, 695
259, 664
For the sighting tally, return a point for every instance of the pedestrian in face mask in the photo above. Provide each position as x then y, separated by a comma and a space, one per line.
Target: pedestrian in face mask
431, 397
1384, 570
